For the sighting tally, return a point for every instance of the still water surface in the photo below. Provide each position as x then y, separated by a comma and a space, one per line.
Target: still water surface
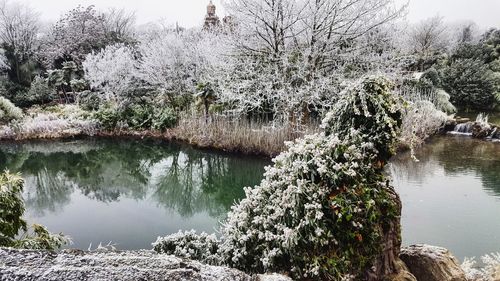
129, 192
451, 198
126, 191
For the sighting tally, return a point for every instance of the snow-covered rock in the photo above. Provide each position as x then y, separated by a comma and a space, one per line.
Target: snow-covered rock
431, 263
70, 265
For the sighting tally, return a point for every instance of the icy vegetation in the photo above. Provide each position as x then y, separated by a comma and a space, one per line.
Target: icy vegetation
324, 207
8, 111
489, 271
55, 122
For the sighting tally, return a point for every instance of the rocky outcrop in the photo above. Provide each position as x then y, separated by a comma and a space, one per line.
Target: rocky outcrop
481, 130
496, 274
430, 263
76, 265
403, 273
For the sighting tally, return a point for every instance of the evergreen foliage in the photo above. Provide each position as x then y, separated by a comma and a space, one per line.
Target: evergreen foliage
471, 84
8, 111
12, 223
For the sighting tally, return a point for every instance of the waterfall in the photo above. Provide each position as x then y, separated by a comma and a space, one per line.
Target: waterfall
463, 129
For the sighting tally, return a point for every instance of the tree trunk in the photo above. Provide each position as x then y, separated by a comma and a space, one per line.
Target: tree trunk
388, 266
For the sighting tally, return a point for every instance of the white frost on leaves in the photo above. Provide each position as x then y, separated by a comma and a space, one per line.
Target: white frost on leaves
490, 271
111, 70
282, 220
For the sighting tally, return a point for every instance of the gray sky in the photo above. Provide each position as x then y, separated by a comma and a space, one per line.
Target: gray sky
486, 13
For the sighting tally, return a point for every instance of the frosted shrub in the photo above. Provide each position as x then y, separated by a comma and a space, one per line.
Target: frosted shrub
489, 272
324, 208
373, 109
11, 208
8, 111
421, 119
317, 212
321, 207
111, 70
424, 115
190, 245
50, 125
52, 122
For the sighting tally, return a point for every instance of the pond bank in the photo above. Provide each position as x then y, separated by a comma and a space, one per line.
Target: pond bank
263, 143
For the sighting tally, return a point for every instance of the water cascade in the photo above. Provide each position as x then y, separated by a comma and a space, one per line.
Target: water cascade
480, 128
463, 129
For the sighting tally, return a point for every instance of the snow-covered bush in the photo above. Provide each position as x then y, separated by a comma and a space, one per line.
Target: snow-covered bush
424, 114
189, 245
51, 122
12, 206
40, 92
262, 87
324, 209
111, 70
136, 116
89, 100
49, 125
8, 111
372, 108
421, 120
486, 272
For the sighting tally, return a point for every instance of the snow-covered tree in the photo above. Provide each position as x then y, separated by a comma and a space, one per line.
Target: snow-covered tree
332, 27
429, 36
428, 41
111, 70
289, 55
19, 26
119, 25
266, 28
76, 34
167, 63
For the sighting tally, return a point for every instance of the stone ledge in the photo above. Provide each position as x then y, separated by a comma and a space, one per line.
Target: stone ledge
73, 265
431, 263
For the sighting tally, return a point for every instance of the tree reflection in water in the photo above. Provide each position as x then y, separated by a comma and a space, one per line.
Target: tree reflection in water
176, 177
457, 155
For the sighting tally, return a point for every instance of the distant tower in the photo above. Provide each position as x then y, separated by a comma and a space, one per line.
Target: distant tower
211, 19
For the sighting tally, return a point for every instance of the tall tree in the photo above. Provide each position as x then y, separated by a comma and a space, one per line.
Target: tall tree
427, 40
19, 26
119, 25
293, 50
76, 34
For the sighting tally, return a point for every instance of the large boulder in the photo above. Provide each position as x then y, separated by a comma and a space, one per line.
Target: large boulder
76, 265
430, 263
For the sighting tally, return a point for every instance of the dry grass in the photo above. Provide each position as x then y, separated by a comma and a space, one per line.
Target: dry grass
237, 135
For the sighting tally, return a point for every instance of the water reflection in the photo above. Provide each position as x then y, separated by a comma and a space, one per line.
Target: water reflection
456, 155
130, 192
148, 176
451, 197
